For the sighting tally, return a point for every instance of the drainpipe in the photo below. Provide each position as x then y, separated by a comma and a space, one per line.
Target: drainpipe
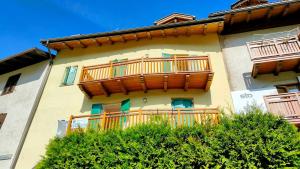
33, 110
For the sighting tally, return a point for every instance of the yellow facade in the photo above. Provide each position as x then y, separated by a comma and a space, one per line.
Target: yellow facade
59, 102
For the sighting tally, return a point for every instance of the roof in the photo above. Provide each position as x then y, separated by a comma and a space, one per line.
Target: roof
175, 17
243, 3
221, 13
123, 34
23, 59
263, 16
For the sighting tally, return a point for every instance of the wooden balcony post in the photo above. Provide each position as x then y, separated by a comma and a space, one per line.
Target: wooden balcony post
140, 116
69, 128
111, 70
142, 66
178, 117
175, 64
103, 121
82, 75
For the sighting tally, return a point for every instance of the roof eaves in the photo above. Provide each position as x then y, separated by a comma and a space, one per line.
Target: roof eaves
135, 30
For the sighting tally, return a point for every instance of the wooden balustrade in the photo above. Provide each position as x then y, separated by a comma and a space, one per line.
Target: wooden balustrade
145, 66
286, 105
274, 49
121, 120
147, 73
275, 55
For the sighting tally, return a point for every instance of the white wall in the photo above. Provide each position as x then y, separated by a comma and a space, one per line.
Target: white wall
18, 106
244, 88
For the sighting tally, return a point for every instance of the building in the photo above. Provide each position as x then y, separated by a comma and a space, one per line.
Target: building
261, 49
177, 63
22, 79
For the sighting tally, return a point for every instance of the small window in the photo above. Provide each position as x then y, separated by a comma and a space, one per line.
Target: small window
11, 84
70, 74
288, 88
182, 103
2, 118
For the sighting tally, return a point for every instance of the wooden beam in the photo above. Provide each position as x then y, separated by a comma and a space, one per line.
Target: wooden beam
70, 47
187, 31
187, 82
135, 37
205, 29
109, 40
149, 35
86, 92
285, 10
297, 68
102, 88
269, 13
163, 34
122, 39
209, 81
82, 44
231, 20
143, 84
166, 83
97, 42
175, 32
255, 70
220, 26
248, 16
278, 68
121, 84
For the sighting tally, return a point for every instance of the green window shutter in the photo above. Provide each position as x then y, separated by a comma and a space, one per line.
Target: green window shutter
97, 109
70, 75
182, 103
125, 105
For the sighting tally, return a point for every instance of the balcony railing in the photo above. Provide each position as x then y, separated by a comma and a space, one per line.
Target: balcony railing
274, 49
121, 120
275, 55
131, 75
286, 105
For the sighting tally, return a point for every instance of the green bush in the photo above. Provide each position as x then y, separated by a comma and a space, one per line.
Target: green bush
251, 140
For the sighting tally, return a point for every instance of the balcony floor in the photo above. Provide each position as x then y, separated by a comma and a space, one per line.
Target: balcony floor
147, 82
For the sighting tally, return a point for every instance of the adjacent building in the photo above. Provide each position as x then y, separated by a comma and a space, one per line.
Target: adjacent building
22, 78
175, 67
261, 48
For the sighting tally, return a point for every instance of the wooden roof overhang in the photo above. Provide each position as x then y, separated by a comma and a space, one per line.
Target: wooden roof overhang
205, 26
23, 59
260, 16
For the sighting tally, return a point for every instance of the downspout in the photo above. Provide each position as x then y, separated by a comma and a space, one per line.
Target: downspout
33, 110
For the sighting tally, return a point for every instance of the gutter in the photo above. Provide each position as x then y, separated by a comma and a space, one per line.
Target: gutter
149, 28
33, 111
221, 13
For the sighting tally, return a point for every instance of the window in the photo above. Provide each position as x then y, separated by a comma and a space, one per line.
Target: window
2, 118
11, 84
182, 103
70, 74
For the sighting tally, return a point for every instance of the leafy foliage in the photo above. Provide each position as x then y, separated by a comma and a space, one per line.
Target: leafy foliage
250, 140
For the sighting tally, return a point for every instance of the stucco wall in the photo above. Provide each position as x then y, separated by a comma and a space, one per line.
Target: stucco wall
18, 106
245, 89
59, 102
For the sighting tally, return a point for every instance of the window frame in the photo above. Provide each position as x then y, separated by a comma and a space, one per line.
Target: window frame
11, 84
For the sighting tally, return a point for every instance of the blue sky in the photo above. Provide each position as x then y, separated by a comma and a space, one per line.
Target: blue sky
23, 23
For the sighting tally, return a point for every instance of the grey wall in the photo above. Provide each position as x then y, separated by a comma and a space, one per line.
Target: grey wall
18, 106
244, 89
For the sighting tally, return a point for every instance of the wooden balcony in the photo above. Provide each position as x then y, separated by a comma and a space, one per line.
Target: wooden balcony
275, 55
121, 120
286, 105
146, 74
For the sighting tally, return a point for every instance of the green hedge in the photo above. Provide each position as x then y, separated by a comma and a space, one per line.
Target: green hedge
252, 140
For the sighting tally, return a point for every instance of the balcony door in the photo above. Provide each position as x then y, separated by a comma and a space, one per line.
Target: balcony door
119, 70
